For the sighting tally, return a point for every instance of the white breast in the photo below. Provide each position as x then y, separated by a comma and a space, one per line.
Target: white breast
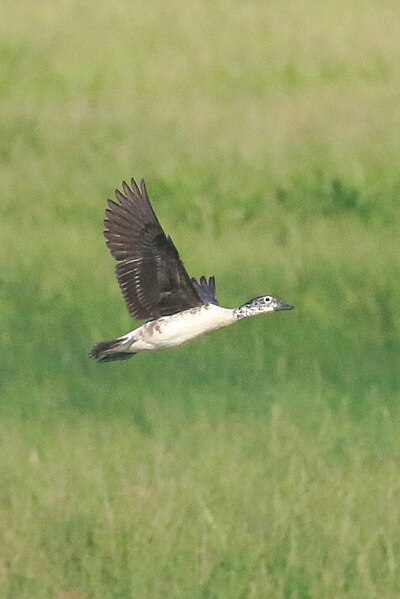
177, 329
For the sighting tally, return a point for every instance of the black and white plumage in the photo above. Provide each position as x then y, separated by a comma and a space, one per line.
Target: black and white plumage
155, 284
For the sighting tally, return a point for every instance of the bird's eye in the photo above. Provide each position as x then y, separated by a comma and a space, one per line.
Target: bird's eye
267, 299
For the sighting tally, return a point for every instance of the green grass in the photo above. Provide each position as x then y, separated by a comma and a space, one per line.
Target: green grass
212, 507
262, 460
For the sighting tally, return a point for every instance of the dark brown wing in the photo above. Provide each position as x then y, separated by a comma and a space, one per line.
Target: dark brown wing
151, 275
206, 290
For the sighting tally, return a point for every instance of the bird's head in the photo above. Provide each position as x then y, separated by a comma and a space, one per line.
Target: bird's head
262, 305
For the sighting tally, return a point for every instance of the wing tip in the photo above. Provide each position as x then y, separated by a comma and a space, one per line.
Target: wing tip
130, 191
143, 187
205, 289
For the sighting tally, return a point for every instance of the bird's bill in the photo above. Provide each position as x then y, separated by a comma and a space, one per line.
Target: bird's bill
281, 305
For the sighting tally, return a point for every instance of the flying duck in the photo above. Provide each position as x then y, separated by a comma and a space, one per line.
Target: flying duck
156, 286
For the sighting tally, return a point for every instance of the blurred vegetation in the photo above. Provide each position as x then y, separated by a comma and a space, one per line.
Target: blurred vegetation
269, 136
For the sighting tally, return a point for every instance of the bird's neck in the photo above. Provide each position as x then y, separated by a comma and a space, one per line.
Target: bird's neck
242, 312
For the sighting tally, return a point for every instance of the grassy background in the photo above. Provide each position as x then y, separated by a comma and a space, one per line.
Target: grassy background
261, 461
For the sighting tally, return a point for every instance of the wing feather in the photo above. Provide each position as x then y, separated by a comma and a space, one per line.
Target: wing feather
206, 290
150, 273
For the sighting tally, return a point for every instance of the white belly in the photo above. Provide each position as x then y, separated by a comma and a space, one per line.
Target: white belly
177, 329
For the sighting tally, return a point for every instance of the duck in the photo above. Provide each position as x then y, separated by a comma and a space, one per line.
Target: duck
156, 286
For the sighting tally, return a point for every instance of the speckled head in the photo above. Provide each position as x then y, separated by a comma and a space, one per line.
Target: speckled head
261, 305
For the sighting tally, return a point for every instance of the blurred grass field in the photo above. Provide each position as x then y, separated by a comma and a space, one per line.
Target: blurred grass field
262, 461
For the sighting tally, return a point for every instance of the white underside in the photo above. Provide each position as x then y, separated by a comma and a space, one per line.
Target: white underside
170, 331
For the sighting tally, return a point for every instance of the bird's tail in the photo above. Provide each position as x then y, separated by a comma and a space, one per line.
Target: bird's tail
108, 351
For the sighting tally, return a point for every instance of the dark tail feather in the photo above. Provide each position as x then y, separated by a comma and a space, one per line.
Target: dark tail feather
107, 351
